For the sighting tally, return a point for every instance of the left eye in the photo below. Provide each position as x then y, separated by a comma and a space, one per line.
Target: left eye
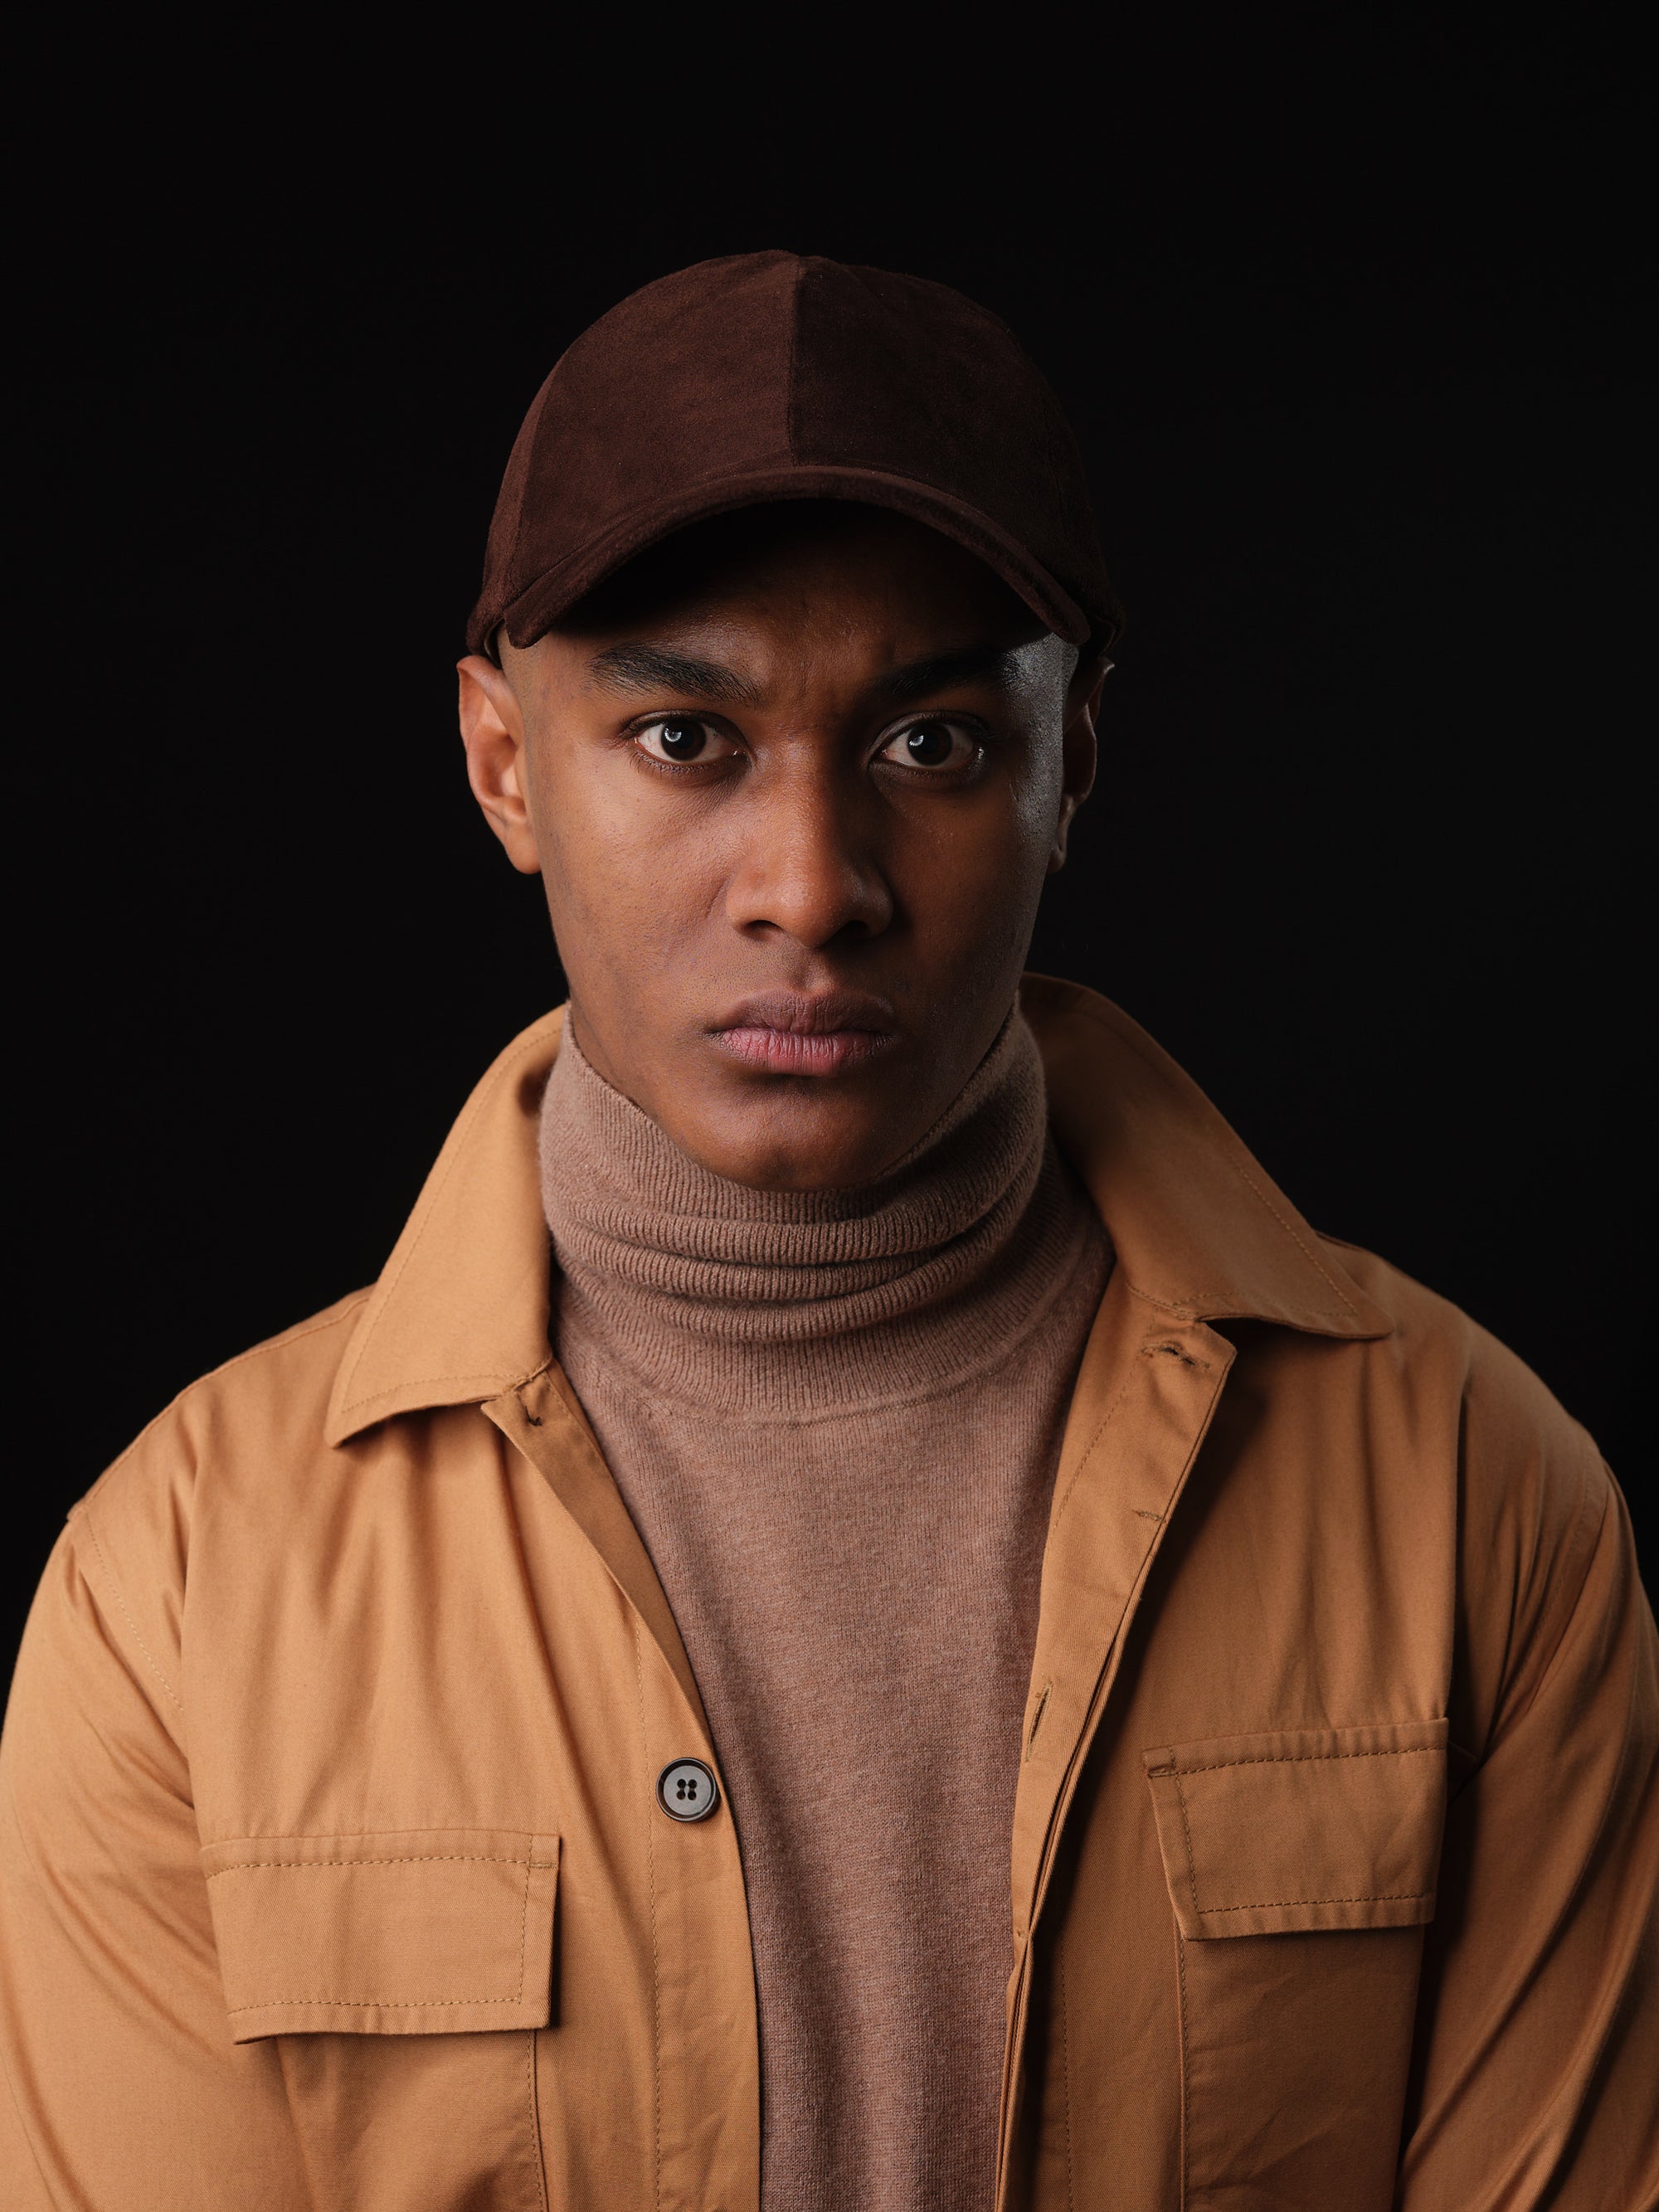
679, 738
931, 745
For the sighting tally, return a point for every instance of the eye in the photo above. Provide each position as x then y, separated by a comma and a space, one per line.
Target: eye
680, 739
931, 745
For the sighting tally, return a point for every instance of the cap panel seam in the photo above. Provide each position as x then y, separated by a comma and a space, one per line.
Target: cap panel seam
791, 411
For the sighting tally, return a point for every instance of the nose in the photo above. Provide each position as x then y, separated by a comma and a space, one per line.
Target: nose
808, 870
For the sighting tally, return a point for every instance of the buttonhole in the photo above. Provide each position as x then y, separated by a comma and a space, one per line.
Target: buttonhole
1177, 1351
1036, 1718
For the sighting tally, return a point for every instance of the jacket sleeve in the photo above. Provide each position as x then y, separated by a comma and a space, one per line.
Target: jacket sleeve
123, 2090
1536, 2074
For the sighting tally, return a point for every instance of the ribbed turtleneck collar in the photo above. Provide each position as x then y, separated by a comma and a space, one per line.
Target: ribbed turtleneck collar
804, 1304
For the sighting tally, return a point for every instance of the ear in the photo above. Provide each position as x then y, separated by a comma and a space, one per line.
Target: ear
492, 730
1078, 750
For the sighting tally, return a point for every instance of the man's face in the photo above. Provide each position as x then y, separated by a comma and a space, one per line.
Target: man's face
793, 787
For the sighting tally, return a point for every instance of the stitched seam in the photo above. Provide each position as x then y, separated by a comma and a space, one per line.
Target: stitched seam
1192, 1863
537, 2160
414, 1858
523, 1920
1106, 1420
491, 1384
103, 1562
365, 1835
337, 1319
791, 409
1066, 2080
386, 2004
1314, 1757
1098, 1695
1306, 1250
656, 1971
1012, 2049
1186, 2068
1284, 1904
1193, 1309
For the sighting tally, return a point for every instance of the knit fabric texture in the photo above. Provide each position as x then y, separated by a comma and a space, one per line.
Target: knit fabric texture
836, 1419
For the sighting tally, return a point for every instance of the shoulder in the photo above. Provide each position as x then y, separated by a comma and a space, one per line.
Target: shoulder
276, 1391
264, 1409
1535, 1502
1507, 1413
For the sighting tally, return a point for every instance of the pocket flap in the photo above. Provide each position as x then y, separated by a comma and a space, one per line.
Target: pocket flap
421, 1931
1264, 1835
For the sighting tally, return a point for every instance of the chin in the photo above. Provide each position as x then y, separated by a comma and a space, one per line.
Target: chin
795, 1145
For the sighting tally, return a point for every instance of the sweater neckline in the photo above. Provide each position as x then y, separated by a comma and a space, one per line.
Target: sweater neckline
804, 1304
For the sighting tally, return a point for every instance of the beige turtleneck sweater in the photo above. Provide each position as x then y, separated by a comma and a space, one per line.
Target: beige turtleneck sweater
836, 1419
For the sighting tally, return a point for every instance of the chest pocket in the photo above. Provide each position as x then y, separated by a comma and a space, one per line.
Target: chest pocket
1302, 1869
403, 1976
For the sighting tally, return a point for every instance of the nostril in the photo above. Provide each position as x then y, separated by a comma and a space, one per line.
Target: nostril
846, 904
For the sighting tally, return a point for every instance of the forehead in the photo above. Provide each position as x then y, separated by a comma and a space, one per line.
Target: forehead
823, 582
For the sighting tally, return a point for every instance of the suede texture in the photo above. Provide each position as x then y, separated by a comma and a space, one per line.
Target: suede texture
775, 376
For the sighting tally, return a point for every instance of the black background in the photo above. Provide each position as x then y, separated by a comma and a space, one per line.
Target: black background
1345, 320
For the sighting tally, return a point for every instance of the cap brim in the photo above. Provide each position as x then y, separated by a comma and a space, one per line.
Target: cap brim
541, 604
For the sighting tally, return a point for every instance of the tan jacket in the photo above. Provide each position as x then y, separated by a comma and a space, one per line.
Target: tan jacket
332, 1877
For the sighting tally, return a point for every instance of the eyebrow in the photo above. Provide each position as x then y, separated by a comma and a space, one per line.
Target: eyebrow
649, 668
969, 663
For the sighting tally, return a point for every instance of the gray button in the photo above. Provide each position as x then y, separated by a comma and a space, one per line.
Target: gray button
686, 1790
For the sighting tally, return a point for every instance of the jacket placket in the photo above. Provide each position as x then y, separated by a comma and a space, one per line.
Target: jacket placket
1145, 1396
707, 2064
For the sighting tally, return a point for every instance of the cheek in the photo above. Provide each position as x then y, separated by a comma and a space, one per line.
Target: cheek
1038, 787
621, 882
979, 864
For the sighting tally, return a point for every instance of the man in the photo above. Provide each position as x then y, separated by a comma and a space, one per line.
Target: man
864, 1616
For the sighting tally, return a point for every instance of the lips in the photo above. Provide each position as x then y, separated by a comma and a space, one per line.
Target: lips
802, 1033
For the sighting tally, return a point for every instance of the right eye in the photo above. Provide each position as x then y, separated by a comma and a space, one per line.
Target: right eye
678, 739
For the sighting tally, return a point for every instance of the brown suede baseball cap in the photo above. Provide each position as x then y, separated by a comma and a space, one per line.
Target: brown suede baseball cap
775, 376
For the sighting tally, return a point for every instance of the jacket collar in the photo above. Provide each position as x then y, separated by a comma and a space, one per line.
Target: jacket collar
460, 1312
1199, 1227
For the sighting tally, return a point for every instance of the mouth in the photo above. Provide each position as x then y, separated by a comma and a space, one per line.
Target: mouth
801, 1033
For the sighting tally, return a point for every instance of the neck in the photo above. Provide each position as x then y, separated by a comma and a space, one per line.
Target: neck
804, 1304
